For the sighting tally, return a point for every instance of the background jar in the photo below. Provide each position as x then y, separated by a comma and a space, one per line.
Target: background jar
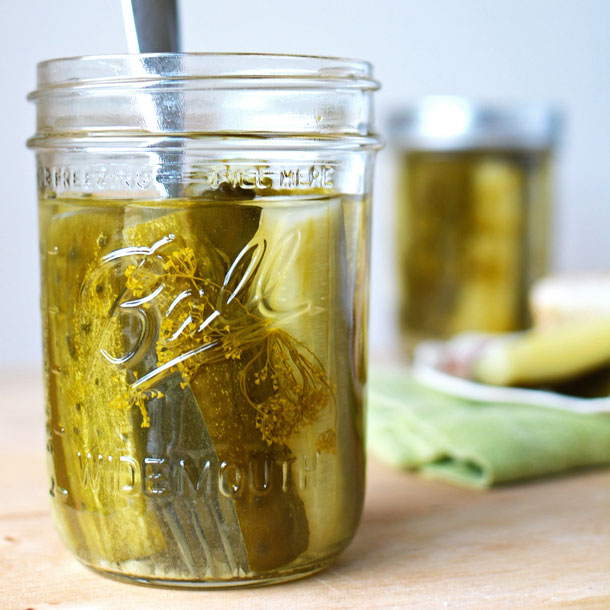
473, 208
204, 231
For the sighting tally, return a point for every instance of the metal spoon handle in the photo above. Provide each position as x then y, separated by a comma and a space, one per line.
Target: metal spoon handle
151, 26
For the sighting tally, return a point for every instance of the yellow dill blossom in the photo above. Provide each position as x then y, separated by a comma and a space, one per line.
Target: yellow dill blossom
137, 398
327, 441
181, 263
204, 322
286, 385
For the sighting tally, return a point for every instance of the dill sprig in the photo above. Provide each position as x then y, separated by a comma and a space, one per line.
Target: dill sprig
210, 314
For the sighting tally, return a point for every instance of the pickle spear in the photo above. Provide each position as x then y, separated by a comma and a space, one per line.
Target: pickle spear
273, 520
546, 355
462, 226
488, 296
305, 293
208, 334
110, 511
204, 535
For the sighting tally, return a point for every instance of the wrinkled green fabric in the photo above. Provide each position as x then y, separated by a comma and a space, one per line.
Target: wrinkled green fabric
476, 444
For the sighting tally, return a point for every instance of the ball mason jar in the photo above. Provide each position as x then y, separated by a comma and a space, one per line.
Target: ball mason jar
473, 199
204, 235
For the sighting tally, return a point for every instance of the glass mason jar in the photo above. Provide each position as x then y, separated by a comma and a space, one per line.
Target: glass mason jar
204, 234
473, 212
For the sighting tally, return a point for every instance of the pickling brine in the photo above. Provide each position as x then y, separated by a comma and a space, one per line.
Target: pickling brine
473, 237
473, 214
204, 232
202, 420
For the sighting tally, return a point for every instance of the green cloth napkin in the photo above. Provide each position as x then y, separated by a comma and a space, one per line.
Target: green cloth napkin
476, 444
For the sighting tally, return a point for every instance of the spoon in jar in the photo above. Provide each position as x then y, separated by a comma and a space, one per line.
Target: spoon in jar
151, 26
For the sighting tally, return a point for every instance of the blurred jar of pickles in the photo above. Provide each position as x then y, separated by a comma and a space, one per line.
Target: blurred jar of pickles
204, 239
473, 214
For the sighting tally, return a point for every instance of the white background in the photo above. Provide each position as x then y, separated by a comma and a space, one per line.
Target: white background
544, 50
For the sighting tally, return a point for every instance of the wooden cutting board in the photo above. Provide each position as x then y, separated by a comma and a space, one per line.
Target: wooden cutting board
544, 544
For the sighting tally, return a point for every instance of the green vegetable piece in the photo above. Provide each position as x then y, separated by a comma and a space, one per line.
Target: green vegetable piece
81, 294
216, 341
546, 355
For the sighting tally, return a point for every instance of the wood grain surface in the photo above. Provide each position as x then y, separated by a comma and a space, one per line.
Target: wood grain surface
421, 545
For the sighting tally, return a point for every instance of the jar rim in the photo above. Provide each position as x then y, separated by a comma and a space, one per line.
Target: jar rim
281, 70
450, 122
